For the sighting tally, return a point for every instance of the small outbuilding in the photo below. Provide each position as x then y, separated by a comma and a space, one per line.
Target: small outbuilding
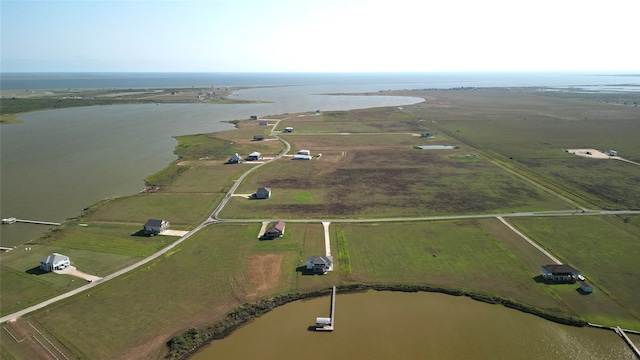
262, 193
613, 153
254, 156
560, 272
586, 287
54, 262
288, 129
275, 231
426, 135
155, 227
320, 264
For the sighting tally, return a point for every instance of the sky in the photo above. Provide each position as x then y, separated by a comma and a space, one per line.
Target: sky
319, 35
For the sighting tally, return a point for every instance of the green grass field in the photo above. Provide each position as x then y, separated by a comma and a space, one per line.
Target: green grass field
373, 172
605, 250
180, 290
452, 254
23, 284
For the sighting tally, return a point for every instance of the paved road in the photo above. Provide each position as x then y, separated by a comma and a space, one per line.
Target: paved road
215, 219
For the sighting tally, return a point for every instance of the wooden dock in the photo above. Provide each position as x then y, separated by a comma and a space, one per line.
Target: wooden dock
327, 324
14, 220
624, 336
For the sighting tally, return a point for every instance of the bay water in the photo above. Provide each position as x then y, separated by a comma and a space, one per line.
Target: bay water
60, 161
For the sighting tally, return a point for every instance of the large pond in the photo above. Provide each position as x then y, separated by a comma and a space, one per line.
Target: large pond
397, 325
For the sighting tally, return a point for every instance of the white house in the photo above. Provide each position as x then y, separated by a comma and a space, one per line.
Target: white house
320, 264
303, 152
288, 129
301, 157
254, 156
54, 261
613, 153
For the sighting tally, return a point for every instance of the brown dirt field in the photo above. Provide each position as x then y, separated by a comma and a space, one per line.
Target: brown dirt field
264, 271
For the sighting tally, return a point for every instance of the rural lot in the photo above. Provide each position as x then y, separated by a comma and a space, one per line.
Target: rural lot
400, 216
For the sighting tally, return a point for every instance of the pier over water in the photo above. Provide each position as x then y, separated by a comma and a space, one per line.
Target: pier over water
327, 324
626, 339
12, 220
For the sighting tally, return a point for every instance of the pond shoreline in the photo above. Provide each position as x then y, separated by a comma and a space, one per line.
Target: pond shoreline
191, 341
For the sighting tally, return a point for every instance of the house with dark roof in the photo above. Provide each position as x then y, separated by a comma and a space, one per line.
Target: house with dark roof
258, 137
54, 262
275, 231
234, 159
320, 264
262, 193
559, 272
155, 227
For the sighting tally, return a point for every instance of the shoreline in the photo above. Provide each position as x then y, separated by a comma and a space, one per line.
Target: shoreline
245, 313
266, 305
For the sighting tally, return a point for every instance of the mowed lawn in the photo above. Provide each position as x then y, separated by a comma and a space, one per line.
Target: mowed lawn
23, 284
183, 210
107, 237
197, 283
450, 254
314, 245
605, 250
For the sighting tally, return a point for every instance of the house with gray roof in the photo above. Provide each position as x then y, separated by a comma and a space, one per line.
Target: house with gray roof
234, 159
320, 264
262, 193
155, 227
275, 231
54, 262
560, 272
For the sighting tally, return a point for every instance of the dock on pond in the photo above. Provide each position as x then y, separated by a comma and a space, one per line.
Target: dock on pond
12, 220
327, 324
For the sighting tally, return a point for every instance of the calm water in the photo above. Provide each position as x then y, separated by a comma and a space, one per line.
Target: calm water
60, 161
395, 325
408, 80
